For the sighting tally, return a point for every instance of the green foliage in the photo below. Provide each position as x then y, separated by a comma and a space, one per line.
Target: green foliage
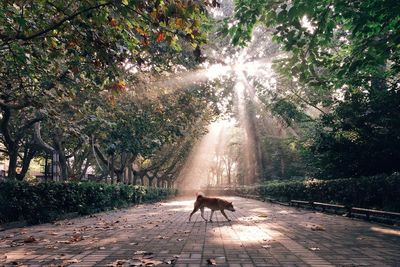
379, 192
44, 202
360, 138
343, 61
66, 64
288, 111
282, 159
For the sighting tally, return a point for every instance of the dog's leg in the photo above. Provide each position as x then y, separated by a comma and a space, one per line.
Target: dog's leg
196, 208
212, 212
202, 213
223, 213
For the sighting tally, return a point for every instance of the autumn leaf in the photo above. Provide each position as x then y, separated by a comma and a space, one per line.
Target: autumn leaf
317, 228
211, 262
141, 31
113, 22
76, 238
180, 23
29, 239
154, 14
160, 37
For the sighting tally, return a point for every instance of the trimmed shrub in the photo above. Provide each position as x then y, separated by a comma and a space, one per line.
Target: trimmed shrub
43, 202
377, 192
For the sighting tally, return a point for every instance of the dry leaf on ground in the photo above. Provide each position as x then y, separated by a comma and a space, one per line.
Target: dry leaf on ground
211, 262
317, 228
29, 239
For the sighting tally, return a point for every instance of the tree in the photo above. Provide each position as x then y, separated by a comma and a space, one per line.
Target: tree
53, 52
342, 60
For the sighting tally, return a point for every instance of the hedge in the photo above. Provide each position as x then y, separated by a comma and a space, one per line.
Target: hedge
377, 192
43, 202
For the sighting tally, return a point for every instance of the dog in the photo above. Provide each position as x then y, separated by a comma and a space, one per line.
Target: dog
212, 203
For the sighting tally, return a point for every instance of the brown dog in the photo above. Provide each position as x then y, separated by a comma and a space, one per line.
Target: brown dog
212, 203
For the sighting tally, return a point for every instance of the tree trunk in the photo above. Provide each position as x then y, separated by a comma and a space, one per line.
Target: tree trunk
135, 180
12, 165
62, 158
130, 175
151, 180
119, 175
55, 157
55, 166
46, 170
29, 153
112, 169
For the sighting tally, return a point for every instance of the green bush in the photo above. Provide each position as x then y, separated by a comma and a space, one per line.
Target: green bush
378, 192
43, 202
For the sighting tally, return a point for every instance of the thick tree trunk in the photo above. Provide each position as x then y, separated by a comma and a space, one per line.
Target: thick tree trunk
29, 153
119, 175
62, 158
55, 156
151, 180
12, 165
130, 175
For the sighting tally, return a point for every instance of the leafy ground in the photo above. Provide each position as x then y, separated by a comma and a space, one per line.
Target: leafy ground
260, 234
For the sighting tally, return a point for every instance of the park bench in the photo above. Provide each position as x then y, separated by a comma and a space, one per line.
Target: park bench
299, 203
370, 212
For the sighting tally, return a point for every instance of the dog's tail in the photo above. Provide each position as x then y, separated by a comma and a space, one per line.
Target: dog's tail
199, 195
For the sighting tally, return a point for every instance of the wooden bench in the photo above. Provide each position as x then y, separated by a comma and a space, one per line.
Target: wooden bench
378, 213
334, 207
299, 203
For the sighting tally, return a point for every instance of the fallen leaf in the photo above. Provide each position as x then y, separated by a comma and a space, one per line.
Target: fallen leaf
118, 263
211, 262
266, 246
139, 252
317, 228
71, 261
29, 239
64, 242
76, 238
148, 255
263, 215
148, 262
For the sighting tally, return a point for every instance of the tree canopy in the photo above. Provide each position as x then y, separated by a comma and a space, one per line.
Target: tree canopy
342, 58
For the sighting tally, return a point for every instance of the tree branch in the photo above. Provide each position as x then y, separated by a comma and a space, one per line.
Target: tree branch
55, 25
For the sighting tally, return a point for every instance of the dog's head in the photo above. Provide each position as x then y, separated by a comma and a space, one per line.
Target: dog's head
230, 206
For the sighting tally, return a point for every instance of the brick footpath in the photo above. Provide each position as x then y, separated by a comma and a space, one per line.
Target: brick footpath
260, 234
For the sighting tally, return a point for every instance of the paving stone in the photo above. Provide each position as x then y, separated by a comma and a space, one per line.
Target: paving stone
260, 234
